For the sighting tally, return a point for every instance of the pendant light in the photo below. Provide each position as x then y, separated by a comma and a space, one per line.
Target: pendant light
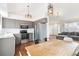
50, 9
28, 15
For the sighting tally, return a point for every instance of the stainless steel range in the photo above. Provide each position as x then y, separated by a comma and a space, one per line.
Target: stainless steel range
24, 33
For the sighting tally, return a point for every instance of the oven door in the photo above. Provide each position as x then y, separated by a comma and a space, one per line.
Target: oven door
24, 36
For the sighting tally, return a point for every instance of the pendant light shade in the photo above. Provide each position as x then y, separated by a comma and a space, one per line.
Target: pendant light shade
28, 15
50, 9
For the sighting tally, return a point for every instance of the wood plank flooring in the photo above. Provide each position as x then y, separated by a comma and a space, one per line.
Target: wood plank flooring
20, 49
58, 48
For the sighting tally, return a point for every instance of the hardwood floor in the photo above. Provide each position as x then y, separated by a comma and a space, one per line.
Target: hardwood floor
20, 49
58, 48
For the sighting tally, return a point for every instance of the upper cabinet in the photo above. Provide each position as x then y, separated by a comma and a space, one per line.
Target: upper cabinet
0, 22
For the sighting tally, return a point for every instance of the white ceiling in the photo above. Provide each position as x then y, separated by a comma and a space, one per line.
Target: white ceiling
68, 10
39, 10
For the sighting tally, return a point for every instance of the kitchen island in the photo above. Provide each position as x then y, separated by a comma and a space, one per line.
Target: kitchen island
7, 44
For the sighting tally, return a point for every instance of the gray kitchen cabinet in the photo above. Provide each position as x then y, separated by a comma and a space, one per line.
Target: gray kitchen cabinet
0, 22
7, 45
17, 38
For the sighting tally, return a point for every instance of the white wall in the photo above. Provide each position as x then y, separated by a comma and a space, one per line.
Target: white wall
54, 29
3, 13
3, 9
56, 25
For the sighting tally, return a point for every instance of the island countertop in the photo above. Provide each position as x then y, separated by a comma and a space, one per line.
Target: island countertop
6, 35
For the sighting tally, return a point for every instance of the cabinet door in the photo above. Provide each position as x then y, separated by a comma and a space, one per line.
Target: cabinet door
17, 38
7, 46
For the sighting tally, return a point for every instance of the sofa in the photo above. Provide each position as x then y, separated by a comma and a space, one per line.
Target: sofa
73, 35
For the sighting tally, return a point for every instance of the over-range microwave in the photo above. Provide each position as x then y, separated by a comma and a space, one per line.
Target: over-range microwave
24, 26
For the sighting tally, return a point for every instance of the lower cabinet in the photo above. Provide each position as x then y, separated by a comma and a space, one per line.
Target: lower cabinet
17, 38
7, 46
